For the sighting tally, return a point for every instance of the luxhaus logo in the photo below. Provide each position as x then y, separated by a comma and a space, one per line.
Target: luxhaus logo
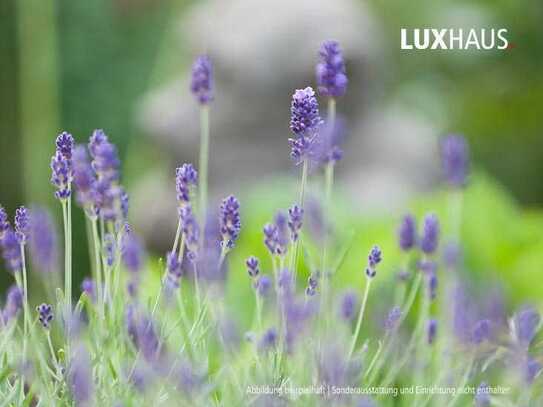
454, 38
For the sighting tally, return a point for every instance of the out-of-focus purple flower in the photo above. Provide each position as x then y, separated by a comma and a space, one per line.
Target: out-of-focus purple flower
374, 258
431, 331
173, 268
201, 84
109, 249
270, 233
148, 341
533, 370
230, 222
455, 160
252, 266
452, 254
84, 180
296, 313
106, 161
348, 305
482, 395
80, 376
191, 231
304, 112
330, 70
185, 177
125, 203
11, 251
132, 252
295, 221
263, 286
89, 288
365, 401
45, 314
14, 302
481, 331
4, 222
96, 139
285, 282
526, 324
325, 148
22, 224
430, 236
407, 233
300, 148
268, 340
393, 317
276, 235
312, 284
432, 285
43, 241
335, 370
61, 165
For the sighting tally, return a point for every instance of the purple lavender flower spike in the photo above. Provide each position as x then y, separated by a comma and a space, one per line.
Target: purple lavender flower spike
97, 137
312, 284
22, 224
43, 241
65, 145
482, 396
348, 305
300, 148
330, 71
533, 370
14, 302
252, 266
431, 331
4, 222
148, 341
11, 251
185, 177
45, 314
295, 221
61, 166
282, 234
481, 331
430, 236
132, 253
304, 110
84, 180
455, 160
106, 161
432, 285
526, 324
173, 267
230, 222
80, 376
407, 233
393, 317
268, 340
270, 237
374, 258
201, 84
109, 249
89, 288
263, 286
191, 230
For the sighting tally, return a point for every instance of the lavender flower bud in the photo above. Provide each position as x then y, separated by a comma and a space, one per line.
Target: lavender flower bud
481, 332
407, 233
268, 340
455, 159
312, 284
45, 314
202, 80
4, 222
482, 395
84, 180
11, 251
374, 258
14, 302
65, 145
230, 223
109, 249
173, 267
430, 236
263, 286
185, 177
431, 331
61, 166
80, 376
330, 71
533, 370
304, 119
22, 224
432, 285
348, 305
393, 317
270, 240
148, 341
88, 287
526, 324
43, 241
191, 231
106, 161
252, 266
132, 253
295, 221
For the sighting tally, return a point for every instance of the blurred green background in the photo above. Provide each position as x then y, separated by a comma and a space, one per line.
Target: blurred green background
78, 65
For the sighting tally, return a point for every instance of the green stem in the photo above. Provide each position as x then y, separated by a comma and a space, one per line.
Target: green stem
204, 157
360, 318
98, 263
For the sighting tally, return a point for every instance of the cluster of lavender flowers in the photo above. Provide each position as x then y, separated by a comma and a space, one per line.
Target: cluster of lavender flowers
134, 339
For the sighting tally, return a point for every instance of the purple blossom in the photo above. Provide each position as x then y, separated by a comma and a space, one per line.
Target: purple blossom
106, 161
185, 177
432, 284
455, 160
304, 110
312, 284
481, 331
270, 240
431, 331
22, 224
4, 222
533, 370
374, 258
109, 249
300, 148
348, 305
252, 266
125, 203
43, 241
45, 314
173, 270
89, 288
407, 233
330, 70
277, 235
11, 251
80, 376
201, 84
393, 317
148, 341
230, 223
482, 395
268, 340
14, 302
191, 231
61, 175
263, 286
65, 145
97, 138
326, 148
84, 180
295, 221
526, 324
132, 252
430, 236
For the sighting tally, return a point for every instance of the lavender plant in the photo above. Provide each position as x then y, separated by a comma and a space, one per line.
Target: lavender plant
164, 331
